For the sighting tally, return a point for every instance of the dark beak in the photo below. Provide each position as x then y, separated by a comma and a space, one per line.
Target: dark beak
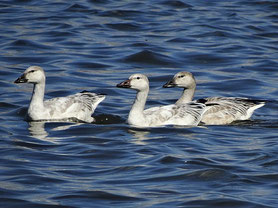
169, 84
21, 79
124, 84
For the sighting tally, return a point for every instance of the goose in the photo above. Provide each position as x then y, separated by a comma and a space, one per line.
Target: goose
227, 110
185, 114
78, 106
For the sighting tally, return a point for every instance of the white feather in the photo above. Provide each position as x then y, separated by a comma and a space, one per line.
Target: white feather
226, 110
78, 106
185, 114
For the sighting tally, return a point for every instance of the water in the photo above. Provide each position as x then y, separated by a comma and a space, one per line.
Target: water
230, 46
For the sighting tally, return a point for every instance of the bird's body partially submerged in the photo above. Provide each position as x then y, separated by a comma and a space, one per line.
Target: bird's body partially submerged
226, 110
79, 106
185, 114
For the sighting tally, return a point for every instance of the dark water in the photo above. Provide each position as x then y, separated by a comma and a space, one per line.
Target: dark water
230, 46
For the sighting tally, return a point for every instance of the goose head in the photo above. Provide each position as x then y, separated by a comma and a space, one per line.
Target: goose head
33, 74
183, 80
138, 82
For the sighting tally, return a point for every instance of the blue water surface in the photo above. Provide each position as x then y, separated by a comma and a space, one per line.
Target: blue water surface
230, 46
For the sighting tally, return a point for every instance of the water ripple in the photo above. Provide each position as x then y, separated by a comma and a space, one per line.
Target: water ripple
230, 46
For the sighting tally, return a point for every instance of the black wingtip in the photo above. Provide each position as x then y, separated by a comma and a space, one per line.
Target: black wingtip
257, 102
86, 91
202, 100
104, 94
211, 104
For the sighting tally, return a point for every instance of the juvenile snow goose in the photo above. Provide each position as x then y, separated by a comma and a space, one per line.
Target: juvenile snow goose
78, 106
229, 109
185, 114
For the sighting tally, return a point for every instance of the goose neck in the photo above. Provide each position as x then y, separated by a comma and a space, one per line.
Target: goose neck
139, 104
187, 95
38, 95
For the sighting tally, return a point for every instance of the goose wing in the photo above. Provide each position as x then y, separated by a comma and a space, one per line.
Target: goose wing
229, 109
185, 114
80, 102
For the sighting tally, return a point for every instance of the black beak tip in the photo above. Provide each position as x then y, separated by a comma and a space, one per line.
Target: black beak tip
168, 85
124, 84
17, 81
20, 80
165, 85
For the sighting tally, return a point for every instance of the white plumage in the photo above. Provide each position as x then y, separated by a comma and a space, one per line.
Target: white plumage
227, 110
78, 106
185, 114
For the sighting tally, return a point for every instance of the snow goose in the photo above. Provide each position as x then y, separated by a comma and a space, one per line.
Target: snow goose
185, 114
78, 106
229, 109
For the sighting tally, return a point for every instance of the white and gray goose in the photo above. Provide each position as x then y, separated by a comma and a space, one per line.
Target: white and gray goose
227, 110
78, 106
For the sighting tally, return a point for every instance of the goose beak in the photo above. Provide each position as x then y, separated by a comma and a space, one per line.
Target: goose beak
169, 84
21, 79
124, 84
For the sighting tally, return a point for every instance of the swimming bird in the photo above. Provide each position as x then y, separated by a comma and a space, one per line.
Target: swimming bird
227, 110
185, 114
78, 106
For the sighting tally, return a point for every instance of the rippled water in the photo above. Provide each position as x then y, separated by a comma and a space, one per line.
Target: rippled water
230, 46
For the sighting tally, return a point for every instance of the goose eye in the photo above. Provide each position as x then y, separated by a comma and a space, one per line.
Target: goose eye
181, 76
138, 77
32, 71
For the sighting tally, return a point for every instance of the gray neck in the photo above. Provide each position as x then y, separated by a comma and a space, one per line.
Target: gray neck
187, 95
